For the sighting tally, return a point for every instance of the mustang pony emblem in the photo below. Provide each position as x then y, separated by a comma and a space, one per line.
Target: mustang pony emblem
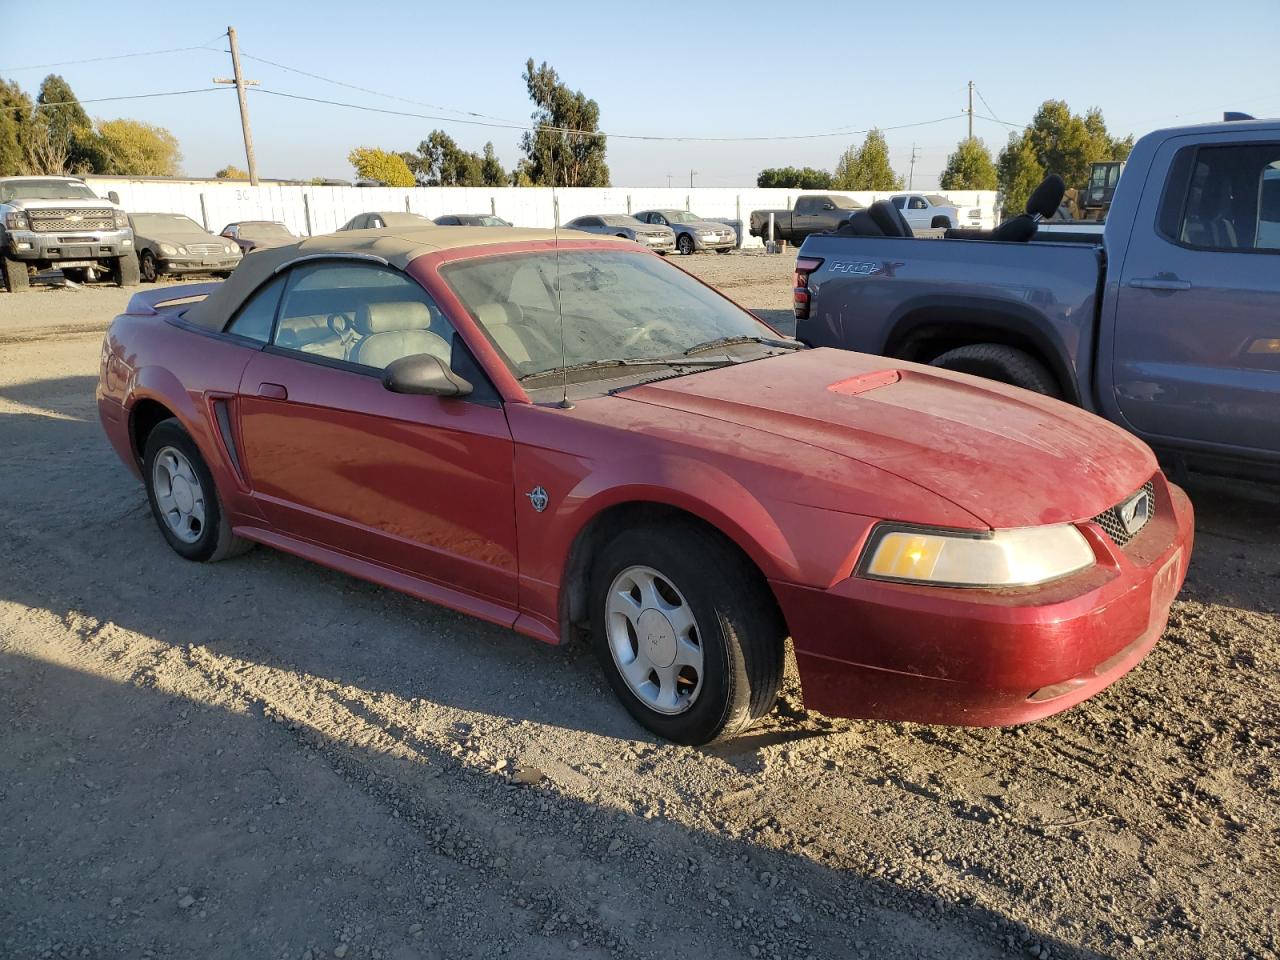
538, 497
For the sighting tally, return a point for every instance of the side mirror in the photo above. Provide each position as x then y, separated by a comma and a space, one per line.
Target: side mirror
425, 374
114, 197
828, 206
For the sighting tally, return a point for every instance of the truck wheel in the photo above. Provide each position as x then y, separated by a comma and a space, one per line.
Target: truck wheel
147, 267
997, 362
940, 223
16, 279
125, 271
685, 244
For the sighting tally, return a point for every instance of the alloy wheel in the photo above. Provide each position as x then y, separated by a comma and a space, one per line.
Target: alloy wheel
654, 639
179, 494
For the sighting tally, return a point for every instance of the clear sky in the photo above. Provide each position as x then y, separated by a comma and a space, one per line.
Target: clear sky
710, 69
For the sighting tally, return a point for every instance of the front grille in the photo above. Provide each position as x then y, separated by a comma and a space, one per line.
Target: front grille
54, 219
204, 249
1109, 520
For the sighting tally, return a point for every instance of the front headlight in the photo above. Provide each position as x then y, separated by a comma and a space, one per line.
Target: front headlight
17, 220
167, 250
1020, 557
183, 251
121, 219
226, 249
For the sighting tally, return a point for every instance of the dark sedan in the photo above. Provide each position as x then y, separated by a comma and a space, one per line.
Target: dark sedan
470, 220
170, 243
258, 234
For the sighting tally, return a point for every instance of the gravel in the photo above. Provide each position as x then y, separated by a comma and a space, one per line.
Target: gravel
265, 758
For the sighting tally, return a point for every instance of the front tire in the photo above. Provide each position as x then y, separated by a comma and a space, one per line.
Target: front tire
684, 243
147, 267
126, 270
686, 631
184, 499
995, 361
16, 278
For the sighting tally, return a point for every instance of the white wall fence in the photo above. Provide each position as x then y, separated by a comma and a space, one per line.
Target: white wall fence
310, 210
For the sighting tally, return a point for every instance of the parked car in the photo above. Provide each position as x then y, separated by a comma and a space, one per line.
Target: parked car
658, 239
642, 461
258, 234
470, 220
172, 244
382, 220
932, 211
692, 232
1166, 322
813, 213
59, 222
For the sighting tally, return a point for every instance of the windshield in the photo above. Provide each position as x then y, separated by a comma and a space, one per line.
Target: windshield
621, 221
166, 224
617, 306
680, 216
492, 222
45, 190
265, 231
937, 200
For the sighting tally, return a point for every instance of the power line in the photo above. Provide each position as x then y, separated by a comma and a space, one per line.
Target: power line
118, 56
514, 125
376, 93
132, 96
978, 91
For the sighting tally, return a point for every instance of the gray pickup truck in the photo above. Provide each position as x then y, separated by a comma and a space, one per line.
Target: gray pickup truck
59, 222
813, 213
1168, 324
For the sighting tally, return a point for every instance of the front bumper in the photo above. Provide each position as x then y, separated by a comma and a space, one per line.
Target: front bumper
663, 245
74, 246
720, 243
185, 265
890, 651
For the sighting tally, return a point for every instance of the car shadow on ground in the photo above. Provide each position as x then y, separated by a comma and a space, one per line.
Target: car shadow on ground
1234, 518
172, 785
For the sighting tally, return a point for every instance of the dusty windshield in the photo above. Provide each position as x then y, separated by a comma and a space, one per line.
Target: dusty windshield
265, 231
679, 216
167, 224
45, 190
617, 306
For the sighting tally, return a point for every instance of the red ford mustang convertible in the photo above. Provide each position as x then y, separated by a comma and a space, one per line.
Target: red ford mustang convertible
580, 438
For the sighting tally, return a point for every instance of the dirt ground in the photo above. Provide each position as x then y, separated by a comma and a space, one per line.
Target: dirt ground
263, 758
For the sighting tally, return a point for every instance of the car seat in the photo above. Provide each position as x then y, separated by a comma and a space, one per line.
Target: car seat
1041, 205
397, 329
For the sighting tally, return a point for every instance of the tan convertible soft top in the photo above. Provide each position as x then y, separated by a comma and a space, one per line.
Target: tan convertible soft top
397, 247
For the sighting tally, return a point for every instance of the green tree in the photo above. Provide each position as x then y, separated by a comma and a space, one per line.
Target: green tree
231, 172
387, 168
970, 167
440, 162
1068, 144
67, 128
867, 167
15, 122
556, 154
492, 173
1018, 172
134, 148
794, 178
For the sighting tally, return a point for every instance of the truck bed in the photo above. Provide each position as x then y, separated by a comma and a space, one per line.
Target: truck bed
879, 294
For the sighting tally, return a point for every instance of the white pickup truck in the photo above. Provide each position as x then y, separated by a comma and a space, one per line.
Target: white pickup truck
59, 222
929, 210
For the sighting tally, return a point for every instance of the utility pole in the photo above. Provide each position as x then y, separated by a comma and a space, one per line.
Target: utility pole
668, 181
970, 108
911, 170
691, 173
240, 83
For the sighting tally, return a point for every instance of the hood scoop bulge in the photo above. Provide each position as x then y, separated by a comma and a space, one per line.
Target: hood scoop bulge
864, 382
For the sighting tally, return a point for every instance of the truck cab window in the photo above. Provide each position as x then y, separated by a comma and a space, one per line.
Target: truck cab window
1231, 199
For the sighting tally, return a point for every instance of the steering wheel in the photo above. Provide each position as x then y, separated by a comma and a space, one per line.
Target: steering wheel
338, 324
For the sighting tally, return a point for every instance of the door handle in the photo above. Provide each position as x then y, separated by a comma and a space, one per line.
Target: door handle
1159, 283
273, 391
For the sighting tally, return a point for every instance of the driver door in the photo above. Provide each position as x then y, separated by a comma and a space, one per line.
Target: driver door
420, 484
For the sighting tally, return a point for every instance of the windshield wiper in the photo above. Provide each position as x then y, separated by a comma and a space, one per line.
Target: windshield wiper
730, 341
624, 362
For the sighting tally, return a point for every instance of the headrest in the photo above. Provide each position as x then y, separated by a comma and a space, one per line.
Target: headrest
1046, 198
889, 219
860, 225
397, 315
491, 315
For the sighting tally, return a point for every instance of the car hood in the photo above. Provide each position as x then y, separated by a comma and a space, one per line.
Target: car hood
181, 239
1007, 457
706, 226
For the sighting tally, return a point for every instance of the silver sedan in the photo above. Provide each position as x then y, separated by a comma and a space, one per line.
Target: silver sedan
656, 238
692, 232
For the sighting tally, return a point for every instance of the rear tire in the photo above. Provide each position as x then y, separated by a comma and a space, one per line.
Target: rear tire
184, 499
733, 634
16, 278
125, 270
995, 361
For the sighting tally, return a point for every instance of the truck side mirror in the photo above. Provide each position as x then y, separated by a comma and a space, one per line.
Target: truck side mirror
114, 197
828, 206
